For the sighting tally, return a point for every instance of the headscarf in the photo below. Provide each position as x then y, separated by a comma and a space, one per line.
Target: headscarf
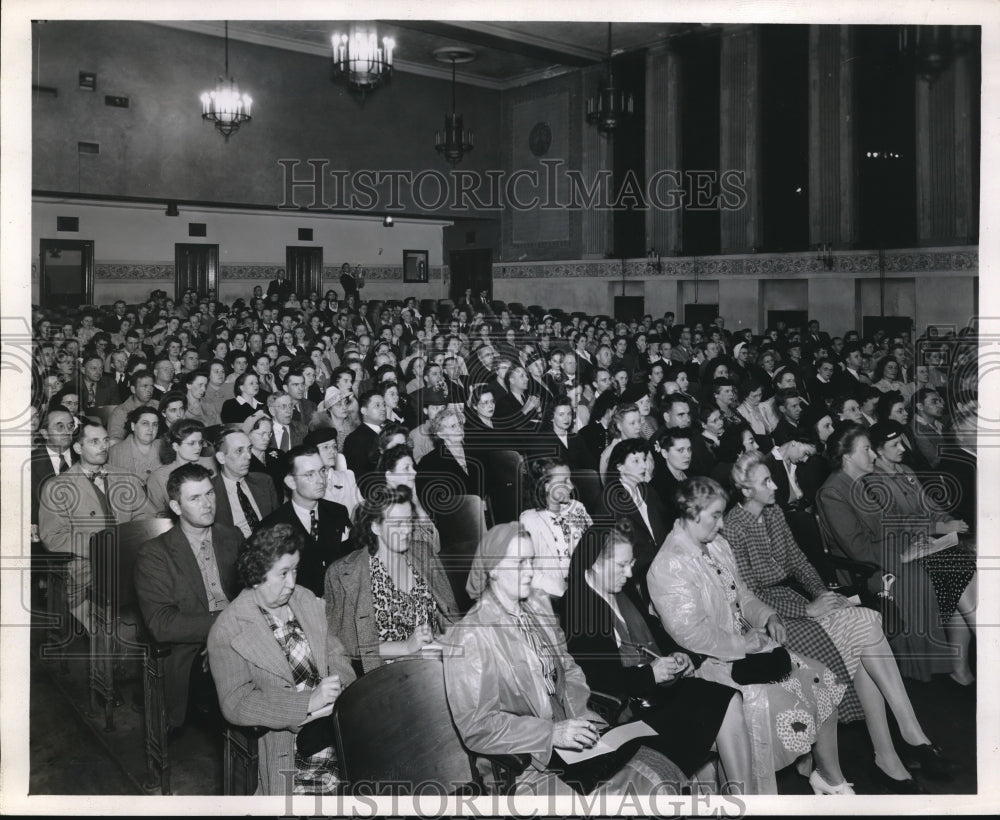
491, 551
736, 351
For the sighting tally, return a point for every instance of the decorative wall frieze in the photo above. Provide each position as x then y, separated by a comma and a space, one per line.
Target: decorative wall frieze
142, 270
783, 265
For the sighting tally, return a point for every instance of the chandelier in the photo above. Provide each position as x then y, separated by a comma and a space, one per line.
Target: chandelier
226, 106
611, 105
454, 142
359, 61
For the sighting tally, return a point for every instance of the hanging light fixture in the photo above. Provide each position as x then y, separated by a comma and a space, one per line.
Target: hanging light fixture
226, 106
360, 62
454, 142
612, 105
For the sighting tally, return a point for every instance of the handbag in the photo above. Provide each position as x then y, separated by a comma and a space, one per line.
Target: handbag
315, 736
763, 667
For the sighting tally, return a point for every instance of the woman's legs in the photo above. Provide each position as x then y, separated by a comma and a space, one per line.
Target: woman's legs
873, 702
733, 742
960, 628
825, 752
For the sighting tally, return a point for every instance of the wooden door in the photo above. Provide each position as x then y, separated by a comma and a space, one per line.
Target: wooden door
471, 268
196, 267
304, 269
66, 273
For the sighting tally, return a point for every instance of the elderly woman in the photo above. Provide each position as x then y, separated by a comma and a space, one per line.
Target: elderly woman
390, 596
953, 570
139, 451
182, 444
790, 702
514, 689
275, 665
854, 510
555, 524
616, 648
819, 622
448, 467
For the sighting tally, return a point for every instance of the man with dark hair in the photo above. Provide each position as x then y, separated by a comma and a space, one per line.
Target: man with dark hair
595, 434
851, 376
55, 457
928, 426
141, 387
295, 386
324, 523
172, 407
242, 498
279, 287
361, 446
96, 389
183, 580
788, 406
85, 499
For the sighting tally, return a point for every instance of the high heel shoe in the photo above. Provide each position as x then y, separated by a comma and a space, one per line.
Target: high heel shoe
894, 786
820, 786
929, 760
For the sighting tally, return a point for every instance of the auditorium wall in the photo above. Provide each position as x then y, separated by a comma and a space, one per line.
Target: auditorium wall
134, 247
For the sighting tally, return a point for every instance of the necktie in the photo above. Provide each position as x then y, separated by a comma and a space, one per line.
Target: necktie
283, 444
296, 413
102, 497
313, 525
248, 511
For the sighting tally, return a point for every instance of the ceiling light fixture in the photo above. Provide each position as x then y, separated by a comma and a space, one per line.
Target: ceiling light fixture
226, 106
612, 105
454, 142
360, 62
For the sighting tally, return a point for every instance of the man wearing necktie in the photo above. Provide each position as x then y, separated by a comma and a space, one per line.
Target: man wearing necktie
295, 386
324, 523
85, 499
286, 433
242, 498
54, 458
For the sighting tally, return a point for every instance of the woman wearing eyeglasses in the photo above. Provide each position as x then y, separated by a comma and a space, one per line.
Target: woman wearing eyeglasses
618, 652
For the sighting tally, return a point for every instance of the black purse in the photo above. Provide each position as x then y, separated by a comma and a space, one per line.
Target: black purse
315, 736
763, 667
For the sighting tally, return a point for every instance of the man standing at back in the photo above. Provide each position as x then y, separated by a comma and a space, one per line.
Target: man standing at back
361, 446
183, 580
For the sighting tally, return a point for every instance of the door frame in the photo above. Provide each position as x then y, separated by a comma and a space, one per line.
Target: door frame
212, 273
86, 248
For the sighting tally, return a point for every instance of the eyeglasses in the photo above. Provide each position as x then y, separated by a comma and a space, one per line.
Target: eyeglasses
312, 474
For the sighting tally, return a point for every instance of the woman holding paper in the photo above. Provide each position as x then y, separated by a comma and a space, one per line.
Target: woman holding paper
867, 516
514, 689
821, 623
275, 665
617, 650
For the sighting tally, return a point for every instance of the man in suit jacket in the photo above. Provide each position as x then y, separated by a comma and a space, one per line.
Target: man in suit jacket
286, 433
56, 456
280, 287
788, 405
183, 580
83, 500
325, 523
361, 446
302, 408
96, 389
242, 499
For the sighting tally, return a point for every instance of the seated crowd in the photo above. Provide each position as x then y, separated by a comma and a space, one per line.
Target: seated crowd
682, 500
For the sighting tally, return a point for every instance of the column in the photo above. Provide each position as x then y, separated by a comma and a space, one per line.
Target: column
833, 155
946, 157
739, 138
663, 147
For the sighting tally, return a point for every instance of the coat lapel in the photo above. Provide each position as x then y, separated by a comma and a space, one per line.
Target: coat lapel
187, 564
256, 641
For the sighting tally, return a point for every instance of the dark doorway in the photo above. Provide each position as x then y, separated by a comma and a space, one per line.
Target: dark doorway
791, 318
196, 267
892, 325
628, 308
66, 272
304, 268
472, 268
705, 314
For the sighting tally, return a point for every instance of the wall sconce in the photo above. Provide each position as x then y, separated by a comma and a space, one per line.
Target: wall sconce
824, 253
387, 222
172, 209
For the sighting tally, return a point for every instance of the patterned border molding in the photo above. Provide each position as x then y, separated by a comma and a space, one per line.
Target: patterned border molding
150, 270
760, 265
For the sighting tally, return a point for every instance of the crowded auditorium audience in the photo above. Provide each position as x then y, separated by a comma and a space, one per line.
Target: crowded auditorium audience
670, 495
